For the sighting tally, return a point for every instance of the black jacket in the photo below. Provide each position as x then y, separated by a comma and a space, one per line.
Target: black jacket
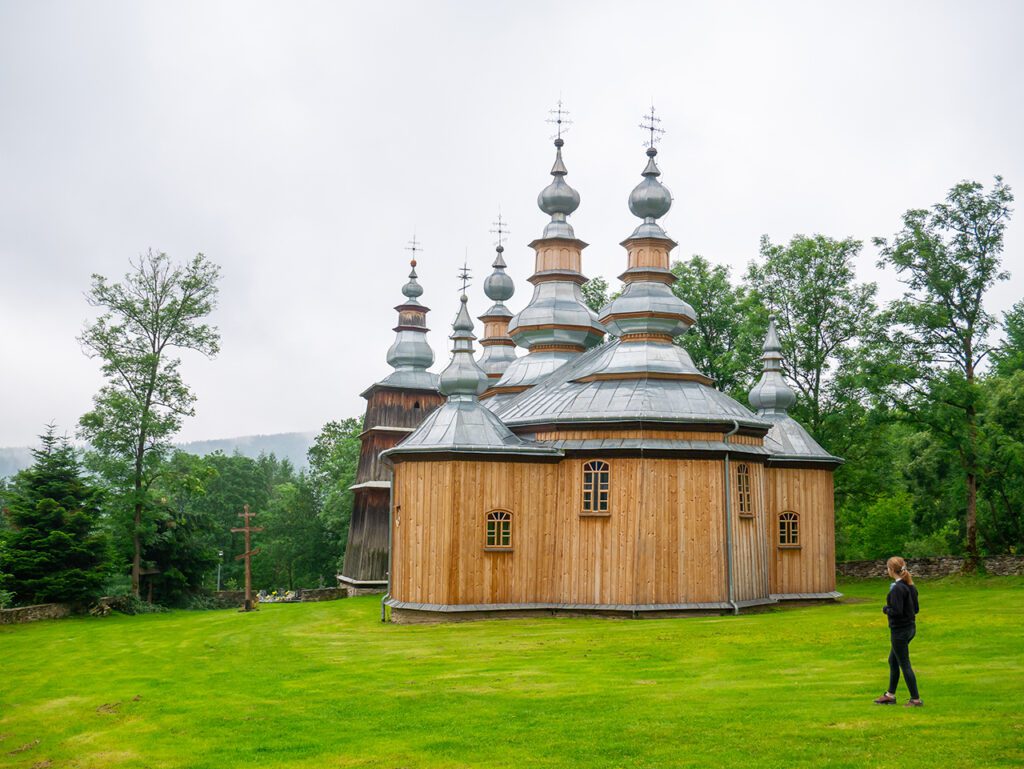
901, 605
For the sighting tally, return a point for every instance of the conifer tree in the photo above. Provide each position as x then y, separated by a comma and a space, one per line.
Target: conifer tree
54, 552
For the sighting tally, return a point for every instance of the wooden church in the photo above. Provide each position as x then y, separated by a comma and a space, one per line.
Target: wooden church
600, 472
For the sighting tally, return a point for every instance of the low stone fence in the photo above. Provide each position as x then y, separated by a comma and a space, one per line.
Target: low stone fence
323, 594
231, 598
939, 566
33, 613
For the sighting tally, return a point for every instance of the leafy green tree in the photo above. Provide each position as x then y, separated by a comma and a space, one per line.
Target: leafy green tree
182, 552
160, 308
298, 550
725, 341
822, 312
595, 293
1001, 457
333, 461
948, 257
54, 551
1009, 356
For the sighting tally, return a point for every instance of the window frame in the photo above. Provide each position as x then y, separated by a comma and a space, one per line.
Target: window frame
493, 537
595, 489
787, 535
744, 492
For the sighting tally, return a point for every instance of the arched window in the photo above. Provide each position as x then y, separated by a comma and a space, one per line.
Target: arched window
744, 500
499, 530
789, 529
595, 487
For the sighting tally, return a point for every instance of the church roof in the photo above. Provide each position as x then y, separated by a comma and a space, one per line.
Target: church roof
562, 397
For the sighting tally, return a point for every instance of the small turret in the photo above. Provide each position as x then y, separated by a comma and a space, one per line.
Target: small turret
463, 378
499, 349
771, 394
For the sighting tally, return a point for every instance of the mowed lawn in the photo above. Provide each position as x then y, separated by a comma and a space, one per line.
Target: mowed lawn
327, 685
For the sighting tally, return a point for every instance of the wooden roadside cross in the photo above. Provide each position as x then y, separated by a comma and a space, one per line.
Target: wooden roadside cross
248, 529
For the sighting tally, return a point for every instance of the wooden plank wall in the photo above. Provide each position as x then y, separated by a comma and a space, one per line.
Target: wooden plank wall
668, 549
750, 545
366, 553
809, 492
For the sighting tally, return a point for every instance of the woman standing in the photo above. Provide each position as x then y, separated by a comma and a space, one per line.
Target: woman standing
901, 607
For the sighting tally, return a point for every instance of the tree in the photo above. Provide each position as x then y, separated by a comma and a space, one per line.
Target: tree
160, 308
725, 340
948, 257
333, 461
595, 293
822, 313
54, 551
1009, 356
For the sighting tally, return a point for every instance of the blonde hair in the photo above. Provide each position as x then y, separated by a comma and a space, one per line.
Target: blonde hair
898, 569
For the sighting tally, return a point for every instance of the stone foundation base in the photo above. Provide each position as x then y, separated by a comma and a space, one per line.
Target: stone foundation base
403, 613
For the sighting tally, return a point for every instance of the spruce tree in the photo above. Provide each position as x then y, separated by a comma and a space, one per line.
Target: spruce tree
53, 552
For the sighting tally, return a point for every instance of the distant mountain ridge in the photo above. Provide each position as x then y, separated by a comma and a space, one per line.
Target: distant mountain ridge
290, 446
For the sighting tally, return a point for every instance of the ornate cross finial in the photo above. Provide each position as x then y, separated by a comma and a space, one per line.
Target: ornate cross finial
501, 230
652, 124
464, 275
560, 120
415, 247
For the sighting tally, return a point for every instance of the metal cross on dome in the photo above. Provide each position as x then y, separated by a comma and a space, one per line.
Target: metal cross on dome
415, 247
501, 230
464, 275
560, 119
653, 125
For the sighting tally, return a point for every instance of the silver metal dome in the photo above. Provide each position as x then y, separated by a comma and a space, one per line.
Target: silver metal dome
558, 199
499, 286
771, 394
650, 200
463, 378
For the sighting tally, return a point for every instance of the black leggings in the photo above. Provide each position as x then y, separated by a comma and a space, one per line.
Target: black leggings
899, 659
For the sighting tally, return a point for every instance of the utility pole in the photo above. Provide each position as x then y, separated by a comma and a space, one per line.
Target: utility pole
248, 529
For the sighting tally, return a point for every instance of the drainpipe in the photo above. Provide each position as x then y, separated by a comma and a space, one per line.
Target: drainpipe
391, 522
728, 518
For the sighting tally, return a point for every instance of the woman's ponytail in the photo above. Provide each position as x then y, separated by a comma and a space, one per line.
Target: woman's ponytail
898, 568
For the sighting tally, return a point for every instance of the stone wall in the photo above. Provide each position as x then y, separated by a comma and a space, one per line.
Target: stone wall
322, 594
33, 613
939, 566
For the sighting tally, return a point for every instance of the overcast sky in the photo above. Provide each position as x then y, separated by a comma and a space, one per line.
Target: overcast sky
300, 144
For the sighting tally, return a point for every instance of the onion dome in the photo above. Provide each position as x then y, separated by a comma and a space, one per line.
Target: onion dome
463, 378
498, 286
410, 354
412, 289
558, 199
650, 200
499, 349
771, 394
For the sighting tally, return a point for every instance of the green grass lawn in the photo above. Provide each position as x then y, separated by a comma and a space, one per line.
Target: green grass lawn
327, 685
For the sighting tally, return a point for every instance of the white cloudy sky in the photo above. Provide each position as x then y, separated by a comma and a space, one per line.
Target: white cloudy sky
299, 145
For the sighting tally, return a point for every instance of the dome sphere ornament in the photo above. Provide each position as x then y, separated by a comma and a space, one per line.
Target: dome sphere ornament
650, 199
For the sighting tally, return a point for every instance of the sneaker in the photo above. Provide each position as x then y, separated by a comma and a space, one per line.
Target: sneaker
886, 699
912, 704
